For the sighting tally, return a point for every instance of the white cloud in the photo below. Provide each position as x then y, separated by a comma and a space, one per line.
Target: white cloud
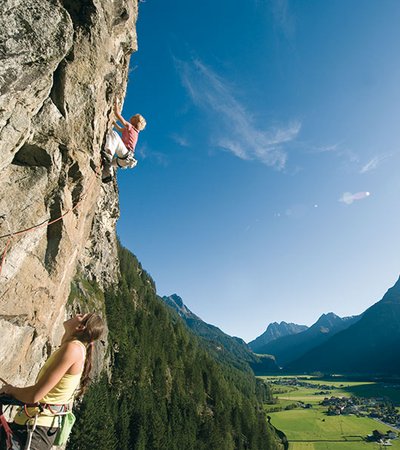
160, 158
348, 159
181, 140
373, 163
234, 127
325, 149
337, 149
144, 152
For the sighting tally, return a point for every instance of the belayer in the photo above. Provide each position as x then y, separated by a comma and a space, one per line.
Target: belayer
119, 151
44, 417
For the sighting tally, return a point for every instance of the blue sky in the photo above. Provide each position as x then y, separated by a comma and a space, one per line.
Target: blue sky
267, 186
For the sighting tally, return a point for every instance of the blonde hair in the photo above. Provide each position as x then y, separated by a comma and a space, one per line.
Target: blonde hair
138, 121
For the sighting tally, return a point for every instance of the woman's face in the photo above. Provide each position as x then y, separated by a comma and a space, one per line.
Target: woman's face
73, 324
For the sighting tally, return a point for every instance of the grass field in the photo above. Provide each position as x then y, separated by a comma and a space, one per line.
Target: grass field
367, 389
312, 429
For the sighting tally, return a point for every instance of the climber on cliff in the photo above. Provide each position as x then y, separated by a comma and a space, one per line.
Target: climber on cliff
45, 411
119, 152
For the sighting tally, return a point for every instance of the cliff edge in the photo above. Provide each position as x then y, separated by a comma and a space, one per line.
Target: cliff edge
62, 65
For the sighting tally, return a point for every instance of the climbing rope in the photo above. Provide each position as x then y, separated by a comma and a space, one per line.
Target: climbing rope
47, 222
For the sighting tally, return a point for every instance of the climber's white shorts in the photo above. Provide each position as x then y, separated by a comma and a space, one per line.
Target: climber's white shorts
114, 144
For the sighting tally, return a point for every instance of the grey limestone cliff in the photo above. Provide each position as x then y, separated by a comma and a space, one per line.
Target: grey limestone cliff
62, 64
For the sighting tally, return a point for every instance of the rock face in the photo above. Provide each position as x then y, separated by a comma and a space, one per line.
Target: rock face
62, 65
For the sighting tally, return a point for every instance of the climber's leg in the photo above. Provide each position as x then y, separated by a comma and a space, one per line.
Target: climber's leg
107, 173
43, 438
107, 154
18, 438
110, 146
120, 149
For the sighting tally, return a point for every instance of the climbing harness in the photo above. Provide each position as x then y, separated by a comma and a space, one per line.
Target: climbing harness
10, 401
47, 222
128, 160
65, 415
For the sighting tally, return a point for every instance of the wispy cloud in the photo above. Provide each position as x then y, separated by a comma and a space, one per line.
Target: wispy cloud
349, 160
234, 127
325, 149
144, 152
283, 17
373, 163
339, 149
181, 140
349, 198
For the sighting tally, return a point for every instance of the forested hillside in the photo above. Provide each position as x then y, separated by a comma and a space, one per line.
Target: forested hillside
224, 347
163, 390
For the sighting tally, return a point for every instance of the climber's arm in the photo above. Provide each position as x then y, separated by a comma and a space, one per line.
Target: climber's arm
66, 358
117, 113
118, 127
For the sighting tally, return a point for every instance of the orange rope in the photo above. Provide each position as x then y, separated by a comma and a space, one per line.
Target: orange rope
45, 223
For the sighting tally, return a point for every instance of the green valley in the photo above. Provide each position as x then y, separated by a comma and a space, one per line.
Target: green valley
316, 414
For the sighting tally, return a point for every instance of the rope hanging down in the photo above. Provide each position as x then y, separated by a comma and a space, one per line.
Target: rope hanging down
43, 224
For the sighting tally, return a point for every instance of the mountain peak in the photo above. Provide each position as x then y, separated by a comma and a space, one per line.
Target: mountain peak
392, 295
176, 303
327, 319
366, 346
275, 331
178, 300
330, 315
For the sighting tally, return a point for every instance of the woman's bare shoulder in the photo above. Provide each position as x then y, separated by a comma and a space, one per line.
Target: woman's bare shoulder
72, 349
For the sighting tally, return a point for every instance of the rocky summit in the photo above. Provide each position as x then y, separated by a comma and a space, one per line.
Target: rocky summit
274, 331
62, 66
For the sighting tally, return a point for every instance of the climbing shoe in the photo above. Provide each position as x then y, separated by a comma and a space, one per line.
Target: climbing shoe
107, 179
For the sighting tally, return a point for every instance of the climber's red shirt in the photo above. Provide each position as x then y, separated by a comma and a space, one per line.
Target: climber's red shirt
130, 136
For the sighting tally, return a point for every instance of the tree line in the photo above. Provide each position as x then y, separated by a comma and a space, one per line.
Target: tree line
163, 389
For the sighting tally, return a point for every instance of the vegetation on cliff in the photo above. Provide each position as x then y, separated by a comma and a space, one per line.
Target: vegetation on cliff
165, 391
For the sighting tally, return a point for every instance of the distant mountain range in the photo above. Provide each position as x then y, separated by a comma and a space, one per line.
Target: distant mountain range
291, 347
369, 346
366, 344
221, 344
274, 331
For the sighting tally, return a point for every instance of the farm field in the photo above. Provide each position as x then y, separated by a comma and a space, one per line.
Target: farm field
365, 389
312, 429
